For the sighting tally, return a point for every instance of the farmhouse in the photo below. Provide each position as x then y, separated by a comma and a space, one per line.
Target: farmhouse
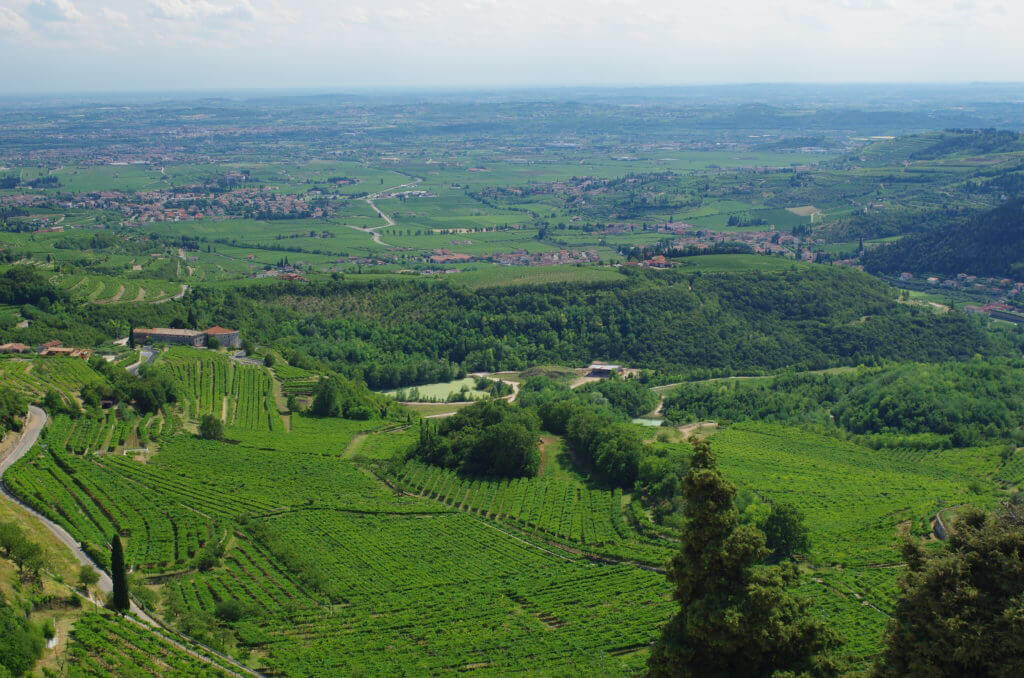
603, 370
227, 338
169, 335
12, 347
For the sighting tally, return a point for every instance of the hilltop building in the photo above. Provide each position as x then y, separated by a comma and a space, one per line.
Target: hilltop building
169, 335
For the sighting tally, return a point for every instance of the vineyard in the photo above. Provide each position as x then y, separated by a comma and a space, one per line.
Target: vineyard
561, 507
105, 645
101, 289
92, 500
341, 556
854, 497
106, 431
295, 380
210, 383
33, 377
392, 586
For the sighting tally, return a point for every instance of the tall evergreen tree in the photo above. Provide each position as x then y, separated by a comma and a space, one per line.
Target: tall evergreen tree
736, 617
120, 600
962, 609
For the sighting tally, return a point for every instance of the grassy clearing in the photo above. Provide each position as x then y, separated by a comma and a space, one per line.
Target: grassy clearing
442, 390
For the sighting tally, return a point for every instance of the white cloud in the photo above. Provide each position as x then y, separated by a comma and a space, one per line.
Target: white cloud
113, 17
11, 21
190, 10
52, 11
453, 42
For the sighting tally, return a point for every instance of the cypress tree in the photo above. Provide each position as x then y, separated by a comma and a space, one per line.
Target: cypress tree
120, 601
962, 609
736, 617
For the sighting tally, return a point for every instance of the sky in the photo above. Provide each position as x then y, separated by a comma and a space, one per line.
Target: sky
53, 46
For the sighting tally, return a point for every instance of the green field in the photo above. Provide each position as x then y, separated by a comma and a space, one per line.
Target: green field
440, 392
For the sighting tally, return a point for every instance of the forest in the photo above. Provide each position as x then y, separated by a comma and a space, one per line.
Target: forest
731, 322
988, 244
910, 405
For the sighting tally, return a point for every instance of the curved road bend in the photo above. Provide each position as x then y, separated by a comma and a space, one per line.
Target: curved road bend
29, 435
146, 355
179, 295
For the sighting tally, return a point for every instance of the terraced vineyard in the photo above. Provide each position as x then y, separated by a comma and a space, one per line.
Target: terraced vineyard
104, 645
34, 376
475, 596
210, 383
561, 507
854, 497
295, 380
337, 572
93, 500
103, 289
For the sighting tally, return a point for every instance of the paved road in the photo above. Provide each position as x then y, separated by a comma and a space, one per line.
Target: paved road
29, 435
388, 220
179, 295
146, 355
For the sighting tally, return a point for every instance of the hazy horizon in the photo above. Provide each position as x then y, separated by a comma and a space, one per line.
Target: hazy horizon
118, 46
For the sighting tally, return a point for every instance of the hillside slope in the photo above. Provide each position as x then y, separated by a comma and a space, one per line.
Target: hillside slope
989, 244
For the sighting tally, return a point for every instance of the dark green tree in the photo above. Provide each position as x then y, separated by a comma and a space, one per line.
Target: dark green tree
785, 533
119, 600
211, 428
21, 643
736, 617
962, 608
87, 576
53, 403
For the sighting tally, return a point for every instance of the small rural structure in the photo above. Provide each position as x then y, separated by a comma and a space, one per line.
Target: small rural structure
169, 335
66, 351
603, 370
12, 347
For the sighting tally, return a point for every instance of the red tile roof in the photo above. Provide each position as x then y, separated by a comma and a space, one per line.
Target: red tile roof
216, 329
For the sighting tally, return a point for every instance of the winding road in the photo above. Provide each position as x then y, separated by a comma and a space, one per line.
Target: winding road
179, 295
146, 355
29, 435
388, 220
